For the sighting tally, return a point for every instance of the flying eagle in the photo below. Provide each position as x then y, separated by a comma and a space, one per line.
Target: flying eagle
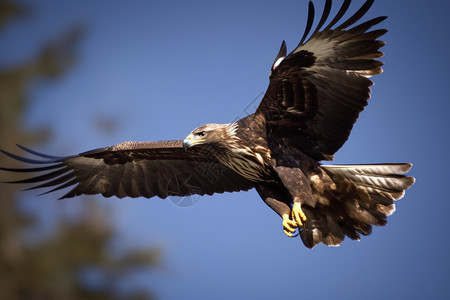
313, 99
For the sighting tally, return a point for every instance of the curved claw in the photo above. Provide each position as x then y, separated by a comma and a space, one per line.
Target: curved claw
298, 215
288, 225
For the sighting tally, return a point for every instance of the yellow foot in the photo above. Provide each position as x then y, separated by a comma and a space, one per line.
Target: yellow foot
288, 225
298, 215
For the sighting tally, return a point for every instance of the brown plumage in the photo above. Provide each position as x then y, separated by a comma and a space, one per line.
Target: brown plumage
314, 97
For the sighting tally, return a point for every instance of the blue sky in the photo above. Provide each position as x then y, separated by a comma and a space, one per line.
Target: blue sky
162, 69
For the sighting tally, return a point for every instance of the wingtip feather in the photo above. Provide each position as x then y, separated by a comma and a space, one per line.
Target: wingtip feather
309, 22
357, 15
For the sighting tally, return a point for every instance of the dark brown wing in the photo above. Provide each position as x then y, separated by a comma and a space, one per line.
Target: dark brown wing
317, 92
134, 169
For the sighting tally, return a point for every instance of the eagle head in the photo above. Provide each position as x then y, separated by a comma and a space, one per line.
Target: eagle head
215, 135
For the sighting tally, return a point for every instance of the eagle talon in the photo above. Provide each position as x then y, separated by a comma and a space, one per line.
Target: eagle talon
288, 225
298, 215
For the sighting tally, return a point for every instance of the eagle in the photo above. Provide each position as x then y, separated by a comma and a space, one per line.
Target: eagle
314, 97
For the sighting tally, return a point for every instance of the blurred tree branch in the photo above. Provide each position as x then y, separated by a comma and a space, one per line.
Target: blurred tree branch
53, 267
10, 10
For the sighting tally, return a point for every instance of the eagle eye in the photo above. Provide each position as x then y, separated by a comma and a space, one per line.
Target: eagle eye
201, 133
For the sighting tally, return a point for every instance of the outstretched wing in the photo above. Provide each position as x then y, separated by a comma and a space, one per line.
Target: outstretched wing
133, 169
317, 92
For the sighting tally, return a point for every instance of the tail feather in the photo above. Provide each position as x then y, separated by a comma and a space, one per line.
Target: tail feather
378, 179
363, 196
380, 169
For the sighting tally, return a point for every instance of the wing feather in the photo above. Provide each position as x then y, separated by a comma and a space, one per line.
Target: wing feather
309, 22
316, 93
133, 169
323, 19
344, 7
358, 15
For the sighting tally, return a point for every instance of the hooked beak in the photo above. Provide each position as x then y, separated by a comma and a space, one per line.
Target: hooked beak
190, 141
187, 142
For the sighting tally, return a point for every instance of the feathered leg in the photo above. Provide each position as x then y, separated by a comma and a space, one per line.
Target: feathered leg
299, 189
279, 202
